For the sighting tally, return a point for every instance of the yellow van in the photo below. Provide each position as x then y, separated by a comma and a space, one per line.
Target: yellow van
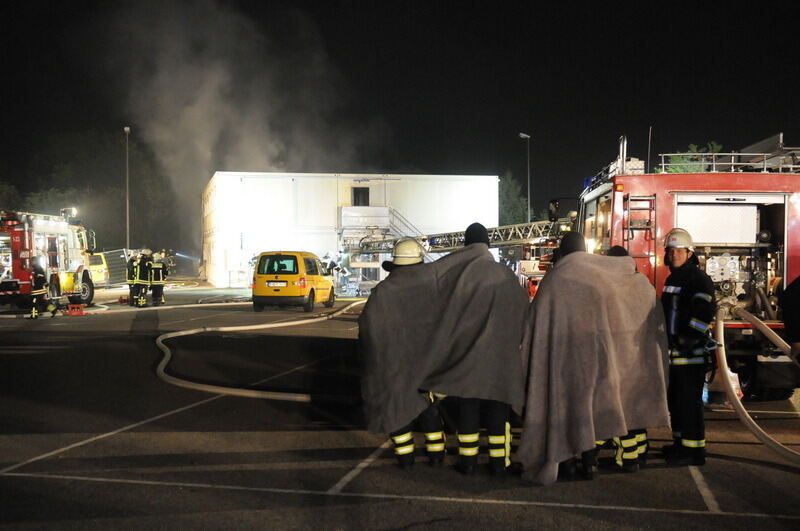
291, 278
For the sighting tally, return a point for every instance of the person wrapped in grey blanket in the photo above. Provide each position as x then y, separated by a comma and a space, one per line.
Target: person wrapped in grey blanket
595, 357
452, 327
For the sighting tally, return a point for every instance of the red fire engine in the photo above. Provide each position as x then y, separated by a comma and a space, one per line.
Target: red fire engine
743, 212
59, 244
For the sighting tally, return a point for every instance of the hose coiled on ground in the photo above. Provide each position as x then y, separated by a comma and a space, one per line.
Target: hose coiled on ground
238, 391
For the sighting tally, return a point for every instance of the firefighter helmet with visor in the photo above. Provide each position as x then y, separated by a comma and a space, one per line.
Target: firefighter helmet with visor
679, 239
407, 251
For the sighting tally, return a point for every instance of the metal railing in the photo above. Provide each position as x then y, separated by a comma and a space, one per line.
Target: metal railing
693, 162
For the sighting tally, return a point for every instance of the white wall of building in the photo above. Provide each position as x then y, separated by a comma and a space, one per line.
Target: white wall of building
245, 213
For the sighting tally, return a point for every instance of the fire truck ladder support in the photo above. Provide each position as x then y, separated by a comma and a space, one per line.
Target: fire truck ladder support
722, 363
450, 241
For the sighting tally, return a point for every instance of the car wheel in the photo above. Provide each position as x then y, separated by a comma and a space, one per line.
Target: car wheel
309, 305
258, 307
331, 299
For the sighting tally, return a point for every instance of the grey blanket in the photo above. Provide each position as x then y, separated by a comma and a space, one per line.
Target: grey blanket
453, 326
596, 356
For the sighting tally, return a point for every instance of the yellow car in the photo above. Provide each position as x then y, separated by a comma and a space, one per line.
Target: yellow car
291, 278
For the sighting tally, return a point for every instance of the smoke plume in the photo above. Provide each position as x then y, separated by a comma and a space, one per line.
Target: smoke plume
209, 88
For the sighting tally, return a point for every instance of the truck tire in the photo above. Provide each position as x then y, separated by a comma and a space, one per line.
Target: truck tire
331, 299
309, 305
85, 294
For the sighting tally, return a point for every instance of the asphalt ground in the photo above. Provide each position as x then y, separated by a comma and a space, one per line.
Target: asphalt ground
91, 438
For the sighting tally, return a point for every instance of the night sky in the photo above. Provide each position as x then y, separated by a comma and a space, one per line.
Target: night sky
379, 86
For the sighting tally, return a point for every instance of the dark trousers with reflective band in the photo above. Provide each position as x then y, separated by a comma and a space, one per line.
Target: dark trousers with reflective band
430, 423
497, 430
132, 294
685, 400
140, 294
38, 303
158, 294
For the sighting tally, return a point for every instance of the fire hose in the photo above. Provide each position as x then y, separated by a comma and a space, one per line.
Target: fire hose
722, 362
238, 391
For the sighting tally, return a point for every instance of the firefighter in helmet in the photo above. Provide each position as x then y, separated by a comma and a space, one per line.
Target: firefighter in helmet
130, 278
158, 278
40, 301
408, 252
689, 305
141, 277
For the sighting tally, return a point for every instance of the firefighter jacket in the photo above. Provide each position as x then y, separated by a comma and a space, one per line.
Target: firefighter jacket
130, 271
39, 280
689, 306
158, 273
141, 272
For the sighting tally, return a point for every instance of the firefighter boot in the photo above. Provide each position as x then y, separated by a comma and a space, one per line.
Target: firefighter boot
434, 446
404, 448
627, 454
686, 456
499, 450
568, 470
589, 462
467, 453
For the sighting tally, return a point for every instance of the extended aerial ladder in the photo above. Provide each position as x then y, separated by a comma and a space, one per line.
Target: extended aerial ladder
535, 232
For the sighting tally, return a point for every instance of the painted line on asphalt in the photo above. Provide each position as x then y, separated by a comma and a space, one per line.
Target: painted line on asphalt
143, 422
401, 497
705, 491
350, 476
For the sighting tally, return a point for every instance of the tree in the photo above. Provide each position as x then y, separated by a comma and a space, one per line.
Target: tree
690, 163
513, 206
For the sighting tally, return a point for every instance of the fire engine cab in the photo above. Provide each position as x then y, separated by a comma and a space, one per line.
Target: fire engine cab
60, 244
743, 212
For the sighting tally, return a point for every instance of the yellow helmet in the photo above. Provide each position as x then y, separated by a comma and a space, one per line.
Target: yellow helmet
407, 251
678, 238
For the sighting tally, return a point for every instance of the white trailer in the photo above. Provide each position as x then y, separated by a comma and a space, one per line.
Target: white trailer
245, 213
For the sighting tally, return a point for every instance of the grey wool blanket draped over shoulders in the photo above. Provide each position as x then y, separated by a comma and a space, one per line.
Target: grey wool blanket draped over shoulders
596, 356
453, 327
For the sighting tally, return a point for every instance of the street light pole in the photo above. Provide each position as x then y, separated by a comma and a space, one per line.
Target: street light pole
127, 131
527, 139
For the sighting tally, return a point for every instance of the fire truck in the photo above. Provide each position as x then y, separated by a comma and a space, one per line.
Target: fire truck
61, 245
743, 212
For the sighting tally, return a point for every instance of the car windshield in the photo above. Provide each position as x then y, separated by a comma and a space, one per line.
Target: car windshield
277, 264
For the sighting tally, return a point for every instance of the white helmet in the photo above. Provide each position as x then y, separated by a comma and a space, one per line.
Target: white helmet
678, 238
146, 252
407, 251
156, 256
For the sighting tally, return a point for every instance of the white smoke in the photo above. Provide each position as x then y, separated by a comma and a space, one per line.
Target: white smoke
209, 90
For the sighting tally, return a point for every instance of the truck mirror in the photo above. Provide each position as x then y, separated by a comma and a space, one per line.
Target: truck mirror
91, 244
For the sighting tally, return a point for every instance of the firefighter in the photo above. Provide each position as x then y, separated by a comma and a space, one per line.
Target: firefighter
40, 299
496, 413
130, 279
141, 277
158, 278
408, 252
631, 448
688, 302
